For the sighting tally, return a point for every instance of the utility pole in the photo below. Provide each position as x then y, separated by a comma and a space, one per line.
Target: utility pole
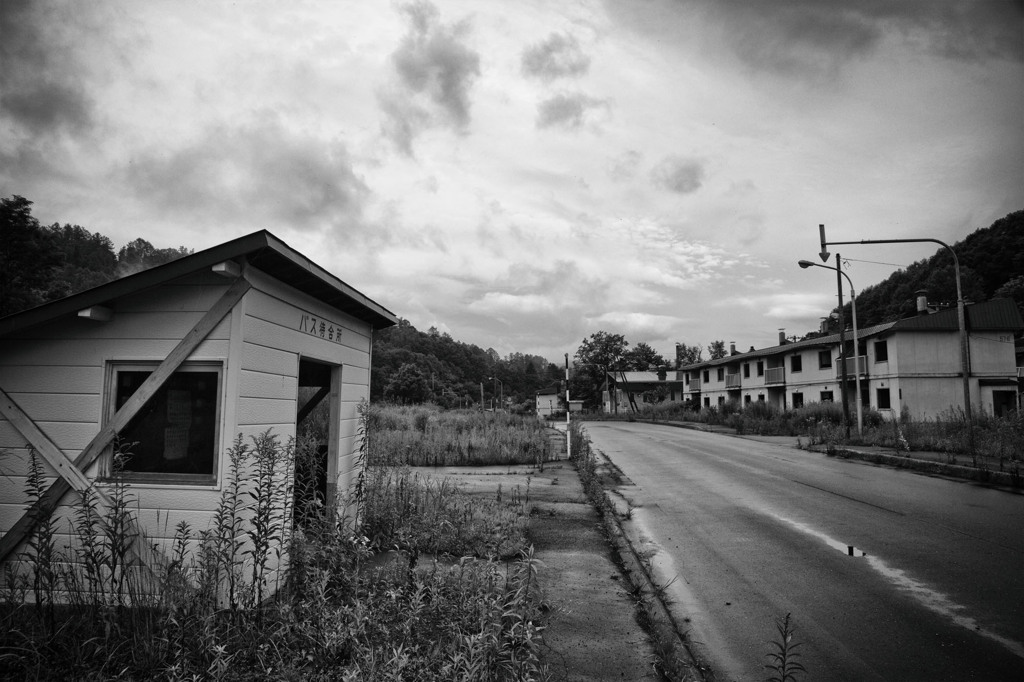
965, 358
842, 347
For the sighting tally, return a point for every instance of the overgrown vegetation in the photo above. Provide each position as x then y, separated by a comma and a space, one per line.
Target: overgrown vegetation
424, 435
257, 596
998, 441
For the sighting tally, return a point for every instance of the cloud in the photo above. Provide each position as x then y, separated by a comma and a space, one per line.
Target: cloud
559, 56
435, 72
43, 85
569, 110
624, 166
257, 173
813, 40
678, 174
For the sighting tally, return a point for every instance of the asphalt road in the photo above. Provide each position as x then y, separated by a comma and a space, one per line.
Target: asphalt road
934, 589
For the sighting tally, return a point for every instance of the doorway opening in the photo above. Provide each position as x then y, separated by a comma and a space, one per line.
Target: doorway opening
316, 434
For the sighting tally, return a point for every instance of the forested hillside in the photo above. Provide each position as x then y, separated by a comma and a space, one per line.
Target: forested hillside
410, 366
40, 263
991, 266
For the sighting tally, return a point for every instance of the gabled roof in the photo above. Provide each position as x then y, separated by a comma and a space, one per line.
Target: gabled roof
998, 314
817, 342
261, 249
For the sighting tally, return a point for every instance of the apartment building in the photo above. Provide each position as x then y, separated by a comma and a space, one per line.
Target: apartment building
913, 363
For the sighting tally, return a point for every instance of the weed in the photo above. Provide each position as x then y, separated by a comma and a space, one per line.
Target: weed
784, 666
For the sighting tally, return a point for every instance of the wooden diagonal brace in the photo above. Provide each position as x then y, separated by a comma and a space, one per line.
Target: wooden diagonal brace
148, 556
48, 501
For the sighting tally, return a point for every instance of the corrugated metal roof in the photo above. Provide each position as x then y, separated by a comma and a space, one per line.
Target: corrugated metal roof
261, 249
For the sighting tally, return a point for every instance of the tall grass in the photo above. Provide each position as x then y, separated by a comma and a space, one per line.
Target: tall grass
265, 594
998, 441
427, 436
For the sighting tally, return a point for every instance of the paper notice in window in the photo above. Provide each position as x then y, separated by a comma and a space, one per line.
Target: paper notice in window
175, 443
179, 407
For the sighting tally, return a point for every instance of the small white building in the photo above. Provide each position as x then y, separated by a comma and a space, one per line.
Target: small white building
548, 402
180, 360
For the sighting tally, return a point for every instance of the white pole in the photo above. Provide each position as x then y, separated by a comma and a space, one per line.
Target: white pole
568, 435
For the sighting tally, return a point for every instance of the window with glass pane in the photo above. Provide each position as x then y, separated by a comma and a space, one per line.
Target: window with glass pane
175, 434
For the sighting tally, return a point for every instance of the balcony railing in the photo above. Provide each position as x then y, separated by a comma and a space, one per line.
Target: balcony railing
851, 367
694, 385
732, 380
775, 375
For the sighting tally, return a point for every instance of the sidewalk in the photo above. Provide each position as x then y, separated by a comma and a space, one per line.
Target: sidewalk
591, 630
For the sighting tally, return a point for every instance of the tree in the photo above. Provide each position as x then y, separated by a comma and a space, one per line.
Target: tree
88, 260
28, 257
598, 354
642, 357
139, 255
408, 385
716, 350
1014, 290
687, 355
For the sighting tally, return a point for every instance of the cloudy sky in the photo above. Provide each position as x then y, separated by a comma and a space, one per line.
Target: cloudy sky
524, 174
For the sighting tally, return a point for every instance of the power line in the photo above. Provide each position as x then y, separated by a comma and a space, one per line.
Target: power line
875, 262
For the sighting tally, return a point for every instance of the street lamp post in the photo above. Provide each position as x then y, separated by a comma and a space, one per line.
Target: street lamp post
965, 360
501, 398
856, 356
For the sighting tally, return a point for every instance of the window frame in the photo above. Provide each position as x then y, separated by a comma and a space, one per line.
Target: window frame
796, 363
888, 399
720, 374
825, 359
746, 370
827, 397
113, 368
884, 344
760, 368
797, 399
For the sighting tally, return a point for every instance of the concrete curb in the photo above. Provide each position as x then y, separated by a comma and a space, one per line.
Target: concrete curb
998, 478
677, 659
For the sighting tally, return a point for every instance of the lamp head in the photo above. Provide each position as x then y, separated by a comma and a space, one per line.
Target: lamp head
805, 264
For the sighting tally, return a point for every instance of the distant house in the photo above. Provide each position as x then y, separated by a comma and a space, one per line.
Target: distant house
548, 402
642, 387
179, 360
913, 363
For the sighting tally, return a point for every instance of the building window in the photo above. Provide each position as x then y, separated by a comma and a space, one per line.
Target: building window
882, 397
760, 398
721, 400
796, 363
720, 372
707, 402
826, 397
746, 400
798, 400
760, 368
881, 351
707, 376
174, 437
746, 370
824, 359
686, 379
